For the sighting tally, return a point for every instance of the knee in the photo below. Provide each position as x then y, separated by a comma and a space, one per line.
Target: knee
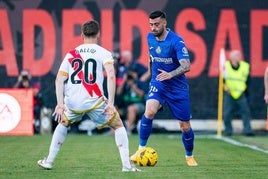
117, 123
185, 126
65, 123
150, 112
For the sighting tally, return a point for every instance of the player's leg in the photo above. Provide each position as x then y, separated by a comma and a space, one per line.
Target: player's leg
188, 142
153, 103
146, 125
58, 138
187, 137
180, 108
121, 138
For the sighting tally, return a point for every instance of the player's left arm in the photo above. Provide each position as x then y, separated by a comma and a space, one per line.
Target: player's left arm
183, 68
183, 56
111, 86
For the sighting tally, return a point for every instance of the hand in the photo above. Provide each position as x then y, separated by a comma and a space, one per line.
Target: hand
163, 75
109, 110
226, 88
58, 113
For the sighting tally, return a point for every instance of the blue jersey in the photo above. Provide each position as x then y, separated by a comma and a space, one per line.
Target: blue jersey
165, 55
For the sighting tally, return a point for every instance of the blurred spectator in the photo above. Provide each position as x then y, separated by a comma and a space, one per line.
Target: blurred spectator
266, 85
236, 80
25, 81
132, 92
116, 58
38, 104
127, 62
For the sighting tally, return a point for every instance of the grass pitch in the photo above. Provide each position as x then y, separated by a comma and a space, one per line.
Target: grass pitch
97, 156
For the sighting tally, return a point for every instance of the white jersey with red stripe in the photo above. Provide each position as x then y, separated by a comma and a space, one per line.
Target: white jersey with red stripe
84, 67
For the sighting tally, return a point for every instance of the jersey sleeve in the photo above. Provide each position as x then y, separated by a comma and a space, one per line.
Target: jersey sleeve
64, 67
181, 49
107, 57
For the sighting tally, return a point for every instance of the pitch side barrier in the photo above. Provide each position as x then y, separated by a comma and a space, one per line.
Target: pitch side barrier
16, 112
172, 125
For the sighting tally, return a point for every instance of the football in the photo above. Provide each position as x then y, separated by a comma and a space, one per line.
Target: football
147, 157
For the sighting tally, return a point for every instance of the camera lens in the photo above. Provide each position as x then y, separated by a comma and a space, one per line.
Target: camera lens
25, 77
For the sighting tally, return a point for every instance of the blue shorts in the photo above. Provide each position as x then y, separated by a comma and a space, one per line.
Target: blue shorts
178, 100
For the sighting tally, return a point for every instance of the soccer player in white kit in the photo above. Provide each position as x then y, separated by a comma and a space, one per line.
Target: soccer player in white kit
79, 91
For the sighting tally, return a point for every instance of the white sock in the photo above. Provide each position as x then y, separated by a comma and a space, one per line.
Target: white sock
140, 147
121, 141
58, 138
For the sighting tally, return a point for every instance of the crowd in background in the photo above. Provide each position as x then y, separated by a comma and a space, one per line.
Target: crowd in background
131, 90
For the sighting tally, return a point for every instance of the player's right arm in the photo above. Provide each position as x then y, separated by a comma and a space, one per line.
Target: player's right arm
147, 74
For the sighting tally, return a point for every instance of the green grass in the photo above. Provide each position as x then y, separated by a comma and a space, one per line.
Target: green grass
96, 156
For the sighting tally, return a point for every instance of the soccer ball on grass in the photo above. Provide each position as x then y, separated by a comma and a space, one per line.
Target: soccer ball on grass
147, 156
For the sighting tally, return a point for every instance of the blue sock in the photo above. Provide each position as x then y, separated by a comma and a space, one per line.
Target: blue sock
188, 141
145, 130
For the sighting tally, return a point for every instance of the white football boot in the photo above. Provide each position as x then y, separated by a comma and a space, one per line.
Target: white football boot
131, 169
44, 164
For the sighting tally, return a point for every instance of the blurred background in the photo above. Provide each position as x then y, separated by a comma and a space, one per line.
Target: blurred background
35, 35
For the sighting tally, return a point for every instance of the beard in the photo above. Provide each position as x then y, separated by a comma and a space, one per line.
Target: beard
158, 33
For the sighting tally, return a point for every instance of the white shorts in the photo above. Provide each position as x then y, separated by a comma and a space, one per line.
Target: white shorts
95, 114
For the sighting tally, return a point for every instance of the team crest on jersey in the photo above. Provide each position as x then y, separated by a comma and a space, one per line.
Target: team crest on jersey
158, 50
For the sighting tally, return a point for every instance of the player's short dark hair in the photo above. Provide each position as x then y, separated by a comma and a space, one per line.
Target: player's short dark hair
157, 14
90, 28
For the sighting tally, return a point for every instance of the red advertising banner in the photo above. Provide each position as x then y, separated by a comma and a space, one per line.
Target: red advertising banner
43, 31
16, 112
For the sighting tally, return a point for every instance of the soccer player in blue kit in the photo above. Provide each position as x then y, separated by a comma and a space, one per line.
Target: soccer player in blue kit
169, 61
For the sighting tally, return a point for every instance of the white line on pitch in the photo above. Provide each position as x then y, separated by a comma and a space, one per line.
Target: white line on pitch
234, 142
